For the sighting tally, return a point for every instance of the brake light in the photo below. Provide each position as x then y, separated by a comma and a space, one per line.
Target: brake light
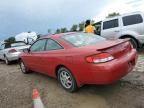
99, 58
12, 51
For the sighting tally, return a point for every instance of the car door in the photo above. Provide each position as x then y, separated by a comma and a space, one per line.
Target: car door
111, 29
51, 58
34, 57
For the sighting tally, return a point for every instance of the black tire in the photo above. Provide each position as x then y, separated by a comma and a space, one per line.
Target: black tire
23, 67
134, 43
69, 82
7, 62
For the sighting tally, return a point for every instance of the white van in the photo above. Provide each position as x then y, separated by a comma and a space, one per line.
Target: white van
129, 25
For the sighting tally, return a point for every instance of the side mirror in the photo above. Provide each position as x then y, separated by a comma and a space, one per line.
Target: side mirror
26, 50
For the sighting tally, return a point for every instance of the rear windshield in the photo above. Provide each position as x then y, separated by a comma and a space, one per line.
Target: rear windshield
83, 39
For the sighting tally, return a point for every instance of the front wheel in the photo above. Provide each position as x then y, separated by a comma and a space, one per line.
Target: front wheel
23, 67
67, 80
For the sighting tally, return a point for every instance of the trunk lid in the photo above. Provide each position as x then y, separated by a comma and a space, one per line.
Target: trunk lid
22, 48
19, 48
116, 48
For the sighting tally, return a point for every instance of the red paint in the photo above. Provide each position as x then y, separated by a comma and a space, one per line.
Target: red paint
74, 59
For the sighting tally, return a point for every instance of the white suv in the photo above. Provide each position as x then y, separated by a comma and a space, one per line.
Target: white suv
124, 26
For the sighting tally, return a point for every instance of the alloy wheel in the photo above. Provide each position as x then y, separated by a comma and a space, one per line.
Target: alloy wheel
22, 66
66, 79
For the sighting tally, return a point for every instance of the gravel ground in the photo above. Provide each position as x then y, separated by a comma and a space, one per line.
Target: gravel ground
16, 89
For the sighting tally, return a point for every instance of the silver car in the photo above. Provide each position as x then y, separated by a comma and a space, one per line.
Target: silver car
11, 52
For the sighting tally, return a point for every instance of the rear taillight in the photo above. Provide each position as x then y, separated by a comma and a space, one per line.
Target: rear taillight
99, 58
12, 51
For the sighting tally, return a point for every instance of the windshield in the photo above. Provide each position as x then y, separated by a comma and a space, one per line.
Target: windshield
18, 44
83, 39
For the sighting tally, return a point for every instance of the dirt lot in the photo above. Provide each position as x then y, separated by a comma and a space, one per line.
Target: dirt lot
16, 88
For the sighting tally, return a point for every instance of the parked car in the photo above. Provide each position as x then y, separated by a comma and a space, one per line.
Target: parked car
76, 59
128, 25
10, 52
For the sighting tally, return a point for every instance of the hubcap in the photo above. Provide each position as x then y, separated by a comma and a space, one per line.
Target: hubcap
65, 79
23, 67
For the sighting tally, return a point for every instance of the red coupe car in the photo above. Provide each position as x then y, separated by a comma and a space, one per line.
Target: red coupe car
76, 59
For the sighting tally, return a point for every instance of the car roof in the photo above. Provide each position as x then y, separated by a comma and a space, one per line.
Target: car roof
122, 15
54, 36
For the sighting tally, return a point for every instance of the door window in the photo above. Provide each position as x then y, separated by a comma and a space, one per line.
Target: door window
110, 24
53, 45
132, 19
38, 46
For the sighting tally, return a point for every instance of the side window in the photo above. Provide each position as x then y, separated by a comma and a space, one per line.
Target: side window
110, 24
38, 46
52, 45
132, 19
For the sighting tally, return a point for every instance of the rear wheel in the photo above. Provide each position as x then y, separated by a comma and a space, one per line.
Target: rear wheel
134, 43
23, 67
67, 80
6, 60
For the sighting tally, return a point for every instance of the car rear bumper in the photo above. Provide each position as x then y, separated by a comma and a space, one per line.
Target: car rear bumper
13, 56
110, 72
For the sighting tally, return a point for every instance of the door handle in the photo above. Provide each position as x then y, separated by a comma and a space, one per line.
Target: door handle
116, 31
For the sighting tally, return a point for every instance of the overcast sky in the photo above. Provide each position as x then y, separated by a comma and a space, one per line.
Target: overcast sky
18, 16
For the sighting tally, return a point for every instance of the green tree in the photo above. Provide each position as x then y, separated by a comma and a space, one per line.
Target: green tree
49, 31
92, 21
9, 41
58, 31
112, 14
74, 28
81, 26
63, 30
